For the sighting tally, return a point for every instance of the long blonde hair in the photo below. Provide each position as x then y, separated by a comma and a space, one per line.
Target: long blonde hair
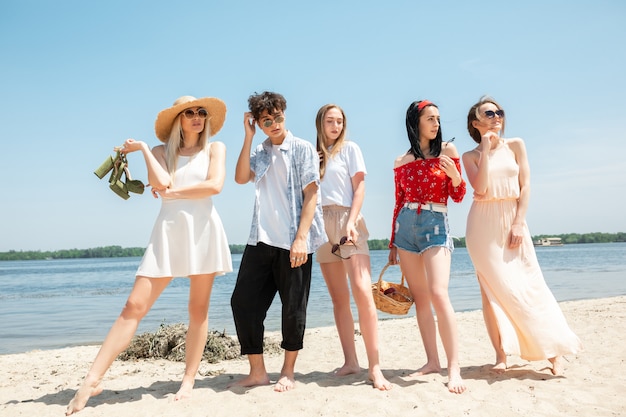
176, 140
321, 136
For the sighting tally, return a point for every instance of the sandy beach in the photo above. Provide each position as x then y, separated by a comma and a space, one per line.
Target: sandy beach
41, 383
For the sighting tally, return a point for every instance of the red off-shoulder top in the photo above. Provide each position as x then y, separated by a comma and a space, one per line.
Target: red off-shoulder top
423, 181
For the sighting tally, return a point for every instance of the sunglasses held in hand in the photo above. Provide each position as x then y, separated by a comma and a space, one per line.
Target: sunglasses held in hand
343, 241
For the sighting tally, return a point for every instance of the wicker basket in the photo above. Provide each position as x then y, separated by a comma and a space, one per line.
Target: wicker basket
391, 298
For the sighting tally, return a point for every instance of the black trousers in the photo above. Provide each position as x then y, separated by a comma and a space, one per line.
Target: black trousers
264, 271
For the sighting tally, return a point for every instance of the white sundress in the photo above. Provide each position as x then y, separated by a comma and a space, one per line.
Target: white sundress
188, 237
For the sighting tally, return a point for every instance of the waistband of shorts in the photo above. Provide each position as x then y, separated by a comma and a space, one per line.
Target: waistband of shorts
335, 207
440, 208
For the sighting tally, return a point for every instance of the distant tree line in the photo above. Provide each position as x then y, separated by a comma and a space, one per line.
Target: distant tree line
569, 238
102, 252
587, 237
374, 244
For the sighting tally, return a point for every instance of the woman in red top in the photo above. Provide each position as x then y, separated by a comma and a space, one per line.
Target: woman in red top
425, 176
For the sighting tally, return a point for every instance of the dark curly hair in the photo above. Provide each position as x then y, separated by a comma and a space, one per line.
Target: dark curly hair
272, 102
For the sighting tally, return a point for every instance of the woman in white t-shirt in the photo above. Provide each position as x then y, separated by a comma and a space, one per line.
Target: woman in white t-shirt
342, 172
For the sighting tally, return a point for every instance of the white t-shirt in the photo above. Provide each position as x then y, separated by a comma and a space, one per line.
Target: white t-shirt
336, 186
273, 205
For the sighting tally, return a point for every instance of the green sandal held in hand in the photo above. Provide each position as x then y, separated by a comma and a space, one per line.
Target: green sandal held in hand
119, 166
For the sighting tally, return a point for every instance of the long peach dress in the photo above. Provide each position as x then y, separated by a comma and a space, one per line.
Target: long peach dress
530, 321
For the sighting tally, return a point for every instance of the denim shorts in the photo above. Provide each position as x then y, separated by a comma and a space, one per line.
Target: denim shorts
418, 232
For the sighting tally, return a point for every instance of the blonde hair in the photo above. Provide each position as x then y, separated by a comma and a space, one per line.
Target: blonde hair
321, 136
176, 140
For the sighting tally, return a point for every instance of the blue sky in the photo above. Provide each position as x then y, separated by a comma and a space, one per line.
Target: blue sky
78, 78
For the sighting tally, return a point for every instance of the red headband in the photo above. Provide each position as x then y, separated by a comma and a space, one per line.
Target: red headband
423, 104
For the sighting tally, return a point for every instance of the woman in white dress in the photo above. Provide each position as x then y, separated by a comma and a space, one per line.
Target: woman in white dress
188, 238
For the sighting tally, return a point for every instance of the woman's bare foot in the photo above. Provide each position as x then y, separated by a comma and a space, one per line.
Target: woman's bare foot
500, 365
456, 384
285, 383
558, 366
186, 389
499, 368
251, 381
429, 368
347, 369
89, 388
379, 380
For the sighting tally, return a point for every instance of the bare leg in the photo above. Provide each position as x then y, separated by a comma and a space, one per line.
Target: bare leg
412, 265
142, 297
437, 262
358, 267
199, 297
257, 376
287, 380
494, 334
337, 284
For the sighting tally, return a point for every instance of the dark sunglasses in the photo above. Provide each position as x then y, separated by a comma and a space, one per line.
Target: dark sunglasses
201, 113
270, 122
344, 240
491, 114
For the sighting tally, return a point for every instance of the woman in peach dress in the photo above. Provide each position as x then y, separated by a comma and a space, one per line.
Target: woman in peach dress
521, 314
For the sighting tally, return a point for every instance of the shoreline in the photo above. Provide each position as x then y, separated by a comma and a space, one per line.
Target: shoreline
42, 382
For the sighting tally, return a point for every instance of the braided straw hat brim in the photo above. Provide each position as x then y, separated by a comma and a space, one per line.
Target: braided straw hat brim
214, 106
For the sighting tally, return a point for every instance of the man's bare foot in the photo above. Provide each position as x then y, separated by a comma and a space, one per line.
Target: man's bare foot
429, 368
347, 370
456, 385
285, 383
186, 389
379, 380
558, 367
251, 381
86, 391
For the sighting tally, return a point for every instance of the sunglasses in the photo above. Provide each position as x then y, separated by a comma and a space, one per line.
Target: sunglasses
201, 113
270, 122
491, 114
343, 241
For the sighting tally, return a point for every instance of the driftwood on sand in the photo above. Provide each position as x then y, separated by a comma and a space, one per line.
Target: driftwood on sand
168, 342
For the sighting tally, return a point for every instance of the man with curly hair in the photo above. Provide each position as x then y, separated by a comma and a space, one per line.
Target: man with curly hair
287, 228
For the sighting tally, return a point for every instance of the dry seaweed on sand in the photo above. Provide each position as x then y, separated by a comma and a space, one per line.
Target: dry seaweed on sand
168, 342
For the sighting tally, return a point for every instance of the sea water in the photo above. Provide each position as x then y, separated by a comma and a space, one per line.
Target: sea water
51, 304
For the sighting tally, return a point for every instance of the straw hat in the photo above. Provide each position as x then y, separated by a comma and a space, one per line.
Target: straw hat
214, 106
